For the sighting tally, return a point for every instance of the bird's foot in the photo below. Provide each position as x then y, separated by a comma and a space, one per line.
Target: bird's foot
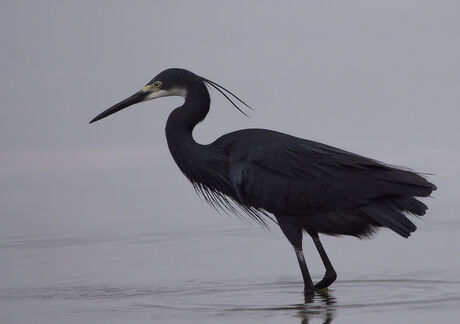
309, 295
327, 280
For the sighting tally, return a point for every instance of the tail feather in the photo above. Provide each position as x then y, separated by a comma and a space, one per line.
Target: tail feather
385, 215
411, 205
405, 183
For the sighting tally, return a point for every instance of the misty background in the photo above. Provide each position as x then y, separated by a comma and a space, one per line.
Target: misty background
380, 79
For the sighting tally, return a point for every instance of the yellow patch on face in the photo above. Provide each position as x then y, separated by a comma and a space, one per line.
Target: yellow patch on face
149, 88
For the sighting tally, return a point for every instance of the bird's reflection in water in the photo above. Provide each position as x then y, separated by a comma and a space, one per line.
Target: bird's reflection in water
319, 305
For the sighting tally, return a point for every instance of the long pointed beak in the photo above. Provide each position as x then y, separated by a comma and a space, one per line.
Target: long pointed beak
135, 98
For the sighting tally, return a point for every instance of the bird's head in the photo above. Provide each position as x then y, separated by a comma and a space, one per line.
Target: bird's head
170, 82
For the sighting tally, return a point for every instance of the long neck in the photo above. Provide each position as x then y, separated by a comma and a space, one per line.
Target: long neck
179, 127
194, 110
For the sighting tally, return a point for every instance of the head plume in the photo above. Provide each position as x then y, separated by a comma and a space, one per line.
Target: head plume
227, 94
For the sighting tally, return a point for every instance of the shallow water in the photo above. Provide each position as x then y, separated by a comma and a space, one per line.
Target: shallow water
187, 277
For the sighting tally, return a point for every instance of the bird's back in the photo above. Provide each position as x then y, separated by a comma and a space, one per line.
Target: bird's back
320, 187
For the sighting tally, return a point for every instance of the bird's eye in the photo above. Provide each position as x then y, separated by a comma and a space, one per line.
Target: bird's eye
157, 84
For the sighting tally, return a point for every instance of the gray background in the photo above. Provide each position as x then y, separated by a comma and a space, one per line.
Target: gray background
377, 78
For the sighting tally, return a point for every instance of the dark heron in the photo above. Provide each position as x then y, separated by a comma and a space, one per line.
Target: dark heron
307, 186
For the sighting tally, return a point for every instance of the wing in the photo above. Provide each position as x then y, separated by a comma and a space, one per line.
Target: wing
296, 176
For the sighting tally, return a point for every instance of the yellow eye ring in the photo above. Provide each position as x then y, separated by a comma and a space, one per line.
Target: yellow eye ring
157, 84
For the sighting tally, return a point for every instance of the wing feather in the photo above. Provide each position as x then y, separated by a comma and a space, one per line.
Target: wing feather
300, 177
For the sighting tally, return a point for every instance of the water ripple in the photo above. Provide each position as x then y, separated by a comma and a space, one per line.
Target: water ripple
345, 294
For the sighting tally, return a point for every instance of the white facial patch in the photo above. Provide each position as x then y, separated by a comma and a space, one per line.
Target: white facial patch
181, 92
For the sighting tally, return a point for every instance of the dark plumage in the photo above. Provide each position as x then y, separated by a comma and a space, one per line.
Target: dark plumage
307, 186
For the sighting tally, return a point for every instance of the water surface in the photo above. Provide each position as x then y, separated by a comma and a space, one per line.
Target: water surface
186, 277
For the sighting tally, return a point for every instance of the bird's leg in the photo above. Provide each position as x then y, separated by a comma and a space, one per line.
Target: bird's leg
294, 235
309, 289
330, 275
